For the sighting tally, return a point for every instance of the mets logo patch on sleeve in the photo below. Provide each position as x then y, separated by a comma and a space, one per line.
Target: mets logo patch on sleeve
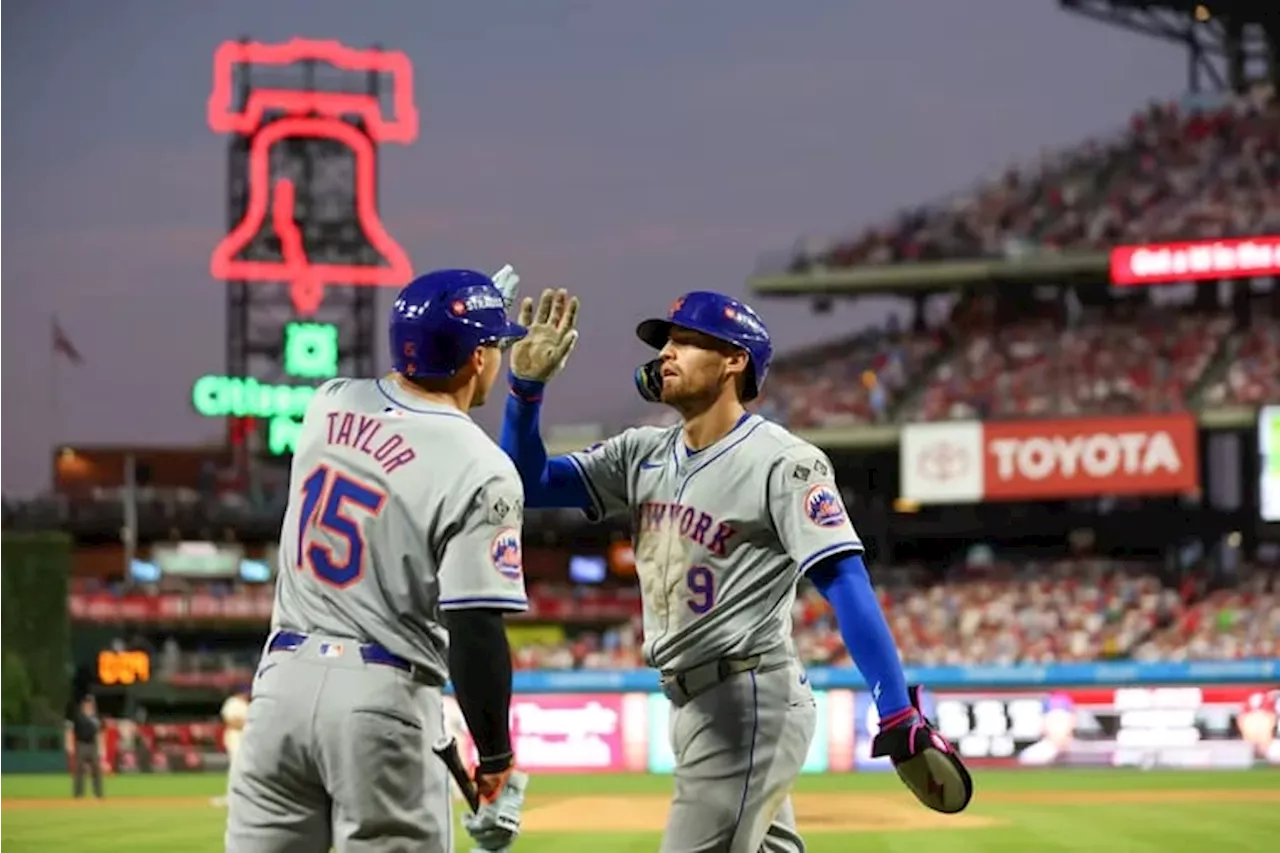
822, 506
506, 554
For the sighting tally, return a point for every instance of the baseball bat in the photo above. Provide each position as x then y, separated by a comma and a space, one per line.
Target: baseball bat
447, 751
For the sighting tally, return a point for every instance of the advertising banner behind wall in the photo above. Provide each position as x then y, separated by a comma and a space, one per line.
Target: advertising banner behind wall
1192, 727
1208, 726
970, 461
1189, 726
1199, 260
570, 733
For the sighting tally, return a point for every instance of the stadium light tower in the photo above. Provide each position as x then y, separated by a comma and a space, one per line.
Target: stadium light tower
1231, 44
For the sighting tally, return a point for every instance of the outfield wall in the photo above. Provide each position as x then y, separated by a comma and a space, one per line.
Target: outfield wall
1202, 714
1195, 714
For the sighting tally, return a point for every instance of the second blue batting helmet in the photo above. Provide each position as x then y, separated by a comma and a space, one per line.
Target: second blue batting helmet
721, 317
440, 318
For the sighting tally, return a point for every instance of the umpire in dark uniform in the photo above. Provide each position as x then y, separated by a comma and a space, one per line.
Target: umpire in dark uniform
86, 745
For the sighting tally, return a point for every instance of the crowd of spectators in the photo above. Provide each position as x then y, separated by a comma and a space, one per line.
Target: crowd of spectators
1200, 168
1032, 612
1179, 169
1125, 357
1029, 611
1115, 362
856, 381
1241, 621
1253, 375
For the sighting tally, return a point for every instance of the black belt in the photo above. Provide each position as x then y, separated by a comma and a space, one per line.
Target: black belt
682, 686
291, 641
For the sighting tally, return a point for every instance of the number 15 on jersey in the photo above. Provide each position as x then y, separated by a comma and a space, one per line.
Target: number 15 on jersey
335, 507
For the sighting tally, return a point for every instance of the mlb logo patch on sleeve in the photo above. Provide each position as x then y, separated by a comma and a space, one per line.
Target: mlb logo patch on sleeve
506, 554
822, 506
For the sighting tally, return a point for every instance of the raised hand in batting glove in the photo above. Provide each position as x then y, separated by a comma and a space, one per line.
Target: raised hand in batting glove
496, 823
553, 334
925, 760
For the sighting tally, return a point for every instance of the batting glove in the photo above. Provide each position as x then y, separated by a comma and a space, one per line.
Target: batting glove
926, 761
553, 334
508, 281
496, 823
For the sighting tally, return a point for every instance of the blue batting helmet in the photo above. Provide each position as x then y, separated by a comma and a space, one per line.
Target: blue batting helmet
440, 318
720, 317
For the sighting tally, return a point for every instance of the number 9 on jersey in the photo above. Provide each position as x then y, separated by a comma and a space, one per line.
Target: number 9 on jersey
701, 583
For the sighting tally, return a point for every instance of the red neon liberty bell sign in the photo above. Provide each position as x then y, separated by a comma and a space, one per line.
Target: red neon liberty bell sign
309, 115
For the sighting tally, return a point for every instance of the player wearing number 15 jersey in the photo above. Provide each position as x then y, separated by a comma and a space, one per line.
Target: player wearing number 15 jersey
728, 511
399, 553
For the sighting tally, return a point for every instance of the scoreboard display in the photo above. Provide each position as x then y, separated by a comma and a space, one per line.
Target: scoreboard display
122, 668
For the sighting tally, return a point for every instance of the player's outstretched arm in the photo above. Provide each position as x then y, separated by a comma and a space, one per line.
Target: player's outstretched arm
548, 483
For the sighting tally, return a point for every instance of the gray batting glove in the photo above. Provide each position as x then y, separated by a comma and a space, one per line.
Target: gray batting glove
553, 334
508, 281
496, 823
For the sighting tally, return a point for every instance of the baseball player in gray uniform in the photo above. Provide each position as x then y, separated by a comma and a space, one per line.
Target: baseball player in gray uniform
728, 511
399, 554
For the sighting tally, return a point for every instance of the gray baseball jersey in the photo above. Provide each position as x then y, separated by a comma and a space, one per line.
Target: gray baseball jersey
399, 509
721, 536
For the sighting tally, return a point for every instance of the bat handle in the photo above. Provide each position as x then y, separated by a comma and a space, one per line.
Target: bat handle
473, 796
447, 751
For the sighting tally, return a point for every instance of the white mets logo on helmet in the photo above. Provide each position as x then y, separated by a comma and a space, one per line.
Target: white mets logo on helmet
506, 553
822, 506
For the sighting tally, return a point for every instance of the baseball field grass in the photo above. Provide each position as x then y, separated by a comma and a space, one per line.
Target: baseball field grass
1081, 811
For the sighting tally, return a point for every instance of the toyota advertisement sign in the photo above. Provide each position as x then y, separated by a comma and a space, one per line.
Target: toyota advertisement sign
971, 461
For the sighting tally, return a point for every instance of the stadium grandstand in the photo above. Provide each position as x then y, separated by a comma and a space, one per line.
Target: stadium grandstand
1064, 450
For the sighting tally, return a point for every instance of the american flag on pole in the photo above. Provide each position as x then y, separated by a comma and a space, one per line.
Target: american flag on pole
62, 344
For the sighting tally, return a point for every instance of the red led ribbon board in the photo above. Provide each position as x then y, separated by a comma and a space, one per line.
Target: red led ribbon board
314, 115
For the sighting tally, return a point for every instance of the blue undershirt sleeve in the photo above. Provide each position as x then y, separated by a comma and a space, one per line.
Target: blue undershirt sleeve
548, 483
843, 581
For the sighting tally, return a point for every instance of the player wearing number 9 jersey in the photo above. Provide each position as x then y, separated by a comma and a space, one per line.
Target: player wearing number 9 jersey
728, 511
399, 553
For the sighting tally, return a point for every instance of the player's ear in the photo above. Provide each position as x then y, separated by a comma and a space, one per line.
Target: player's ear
736, 362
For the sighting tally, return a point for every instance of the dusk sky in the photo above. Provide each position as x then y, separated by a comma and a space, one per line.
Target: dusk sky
626, 150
